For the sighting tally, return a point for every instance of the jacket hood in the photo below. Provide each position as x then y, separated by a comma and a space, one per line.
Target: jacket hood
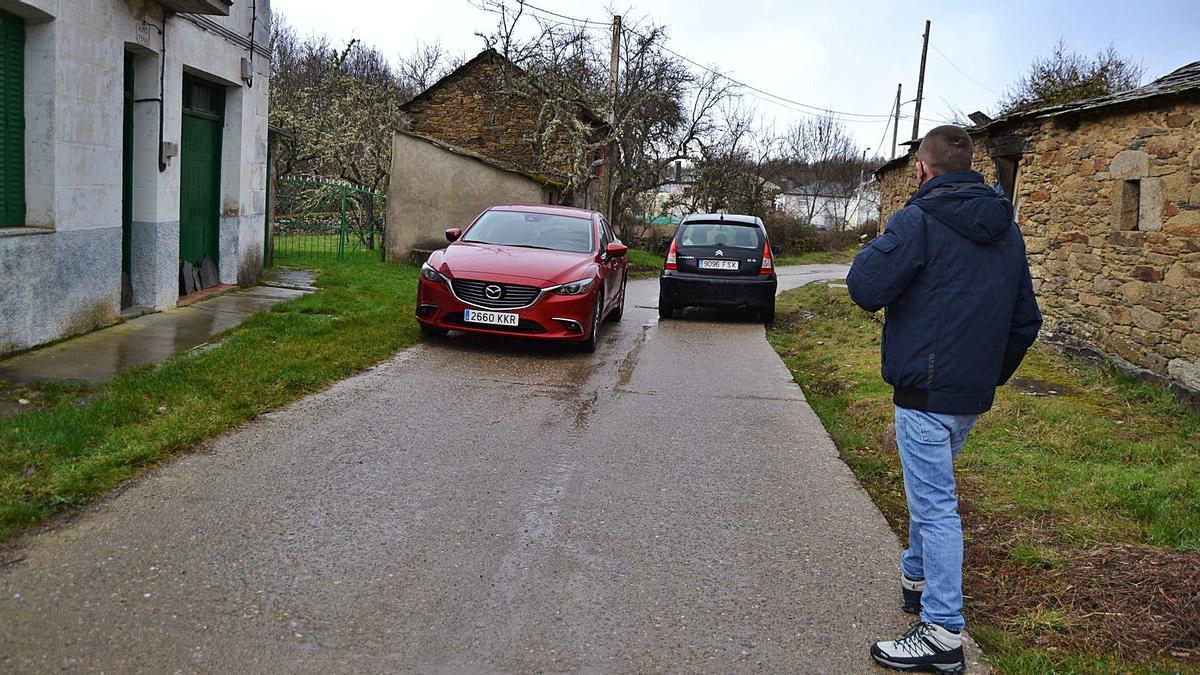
964, 203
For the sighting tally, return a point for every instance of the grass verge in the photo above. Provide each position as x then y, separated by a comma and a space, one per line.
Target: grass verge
63, 455
644, 264
1080, 496
820, 257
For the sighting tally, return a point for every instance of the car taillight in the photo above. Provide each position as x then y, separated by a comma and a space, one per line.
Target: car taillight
768, 262
671, 264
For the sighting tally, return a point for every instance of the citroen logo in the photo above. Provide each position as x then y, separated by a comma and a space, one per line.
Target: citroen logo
493, 292
720, 252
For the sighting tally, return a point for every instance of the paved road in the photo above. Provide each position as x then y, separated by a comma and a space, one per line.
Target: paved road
669, 503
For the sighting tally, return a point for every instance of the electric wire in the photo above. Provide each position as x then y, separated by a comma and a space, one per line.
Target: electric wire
783, 101
962, 72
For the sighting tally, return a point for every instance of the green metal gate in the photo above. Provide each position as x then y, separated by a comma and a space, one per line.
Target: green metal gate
200, 180
326, 219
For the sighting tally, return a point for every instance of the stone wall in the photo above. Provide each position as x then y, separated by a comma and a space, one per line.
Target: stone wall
492, 109
1110, 207
1109, 203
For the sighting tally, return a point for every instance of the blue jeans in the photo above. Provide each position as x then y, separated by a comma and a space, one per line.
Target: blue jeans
928, 443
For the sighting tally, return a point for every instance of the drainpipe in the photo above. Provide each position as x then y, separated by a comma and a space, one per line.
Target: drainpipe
162, 76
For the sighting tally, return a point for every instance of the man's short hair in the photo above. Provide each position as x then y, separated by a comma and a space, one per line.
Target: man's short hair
946, 149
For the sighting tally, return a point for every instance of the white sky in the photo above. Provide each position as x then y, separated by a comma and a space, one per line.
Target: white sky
846, 56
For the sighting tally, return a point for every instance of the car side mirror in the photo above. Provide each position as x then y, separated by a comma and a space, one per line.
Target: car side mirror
777, 249
453, 234
616, 250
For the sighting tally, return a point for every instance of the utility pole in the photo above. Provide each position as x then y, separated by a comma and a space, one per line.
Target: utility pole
921, 84
896, 126
611, 151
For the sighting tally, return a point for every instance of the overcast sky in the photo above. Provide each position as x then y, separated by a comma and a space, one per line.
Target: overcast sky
846, 56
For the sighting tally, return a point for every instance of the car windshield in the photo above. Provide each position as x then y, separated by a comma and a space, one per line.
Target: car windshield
730, 235
532, 230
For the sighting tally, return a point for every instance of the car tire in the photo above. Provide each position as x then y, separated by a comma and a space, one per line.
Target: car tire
665, 309
433, 331
619, 310
589, 343
767, 314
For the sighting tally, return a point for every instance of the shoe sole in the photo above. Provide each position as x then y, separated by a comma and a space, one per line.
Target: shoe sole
911, 610
923, 668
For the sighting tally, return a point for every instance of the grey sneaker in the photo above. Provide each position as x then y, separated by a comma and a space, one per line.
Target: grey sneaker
925, 647
911, 591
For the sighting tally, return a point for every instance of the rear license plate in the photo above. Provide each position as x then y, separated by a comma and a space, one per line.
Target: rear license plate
719, 265
491, 318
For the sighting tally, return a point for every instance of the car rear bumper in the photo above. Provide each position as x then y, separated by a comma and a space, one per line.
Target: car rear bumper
552, 317
694, 290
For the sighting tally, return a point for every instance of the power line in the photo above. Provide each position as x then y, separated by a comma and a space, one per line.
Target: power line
961, 71
783, 101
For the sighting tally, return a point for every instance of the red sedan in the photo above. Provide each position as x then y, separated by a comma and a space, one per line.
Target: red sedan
546, 272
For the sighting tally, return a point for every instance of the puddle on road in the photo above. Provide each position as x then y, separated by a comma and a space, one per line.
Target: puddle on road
625, 370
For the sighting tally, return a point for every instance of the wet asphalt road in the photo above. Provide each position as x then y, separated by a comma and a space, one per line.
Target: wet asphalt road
669, 503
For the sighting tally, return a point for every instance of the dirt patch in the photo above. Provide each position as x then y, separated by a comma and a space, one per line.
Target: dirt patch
1032, 387
1130, 601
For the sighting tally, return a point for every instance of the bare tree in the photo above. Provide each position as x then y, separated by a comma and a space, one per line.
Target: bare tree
1067, 76
827, 164
664, 111
425, 65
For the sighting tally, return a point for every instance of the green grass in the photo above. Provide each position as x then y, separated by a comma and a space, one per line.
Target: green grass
63, 455
644, 264
819, 257
1111, 462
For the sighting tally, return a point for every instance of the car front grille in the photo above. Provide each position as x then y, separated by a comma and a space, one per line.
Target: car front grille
511, 296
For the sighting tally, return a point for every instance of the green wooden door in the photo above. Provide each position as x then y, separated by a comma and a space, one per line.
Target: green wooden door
200, 179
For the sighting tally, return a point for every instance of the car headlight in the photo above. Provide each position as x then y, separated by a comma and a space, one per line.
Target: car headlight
431, 274
576, 287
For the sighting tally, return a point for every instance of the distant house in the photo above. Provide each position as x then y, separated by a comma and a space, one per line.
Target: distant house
133, 145
487, 133
829, 206
1107, 193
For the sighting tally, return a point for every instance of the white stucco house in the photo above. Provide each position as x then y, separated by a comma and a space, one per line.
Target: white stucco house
133, 139
830, 206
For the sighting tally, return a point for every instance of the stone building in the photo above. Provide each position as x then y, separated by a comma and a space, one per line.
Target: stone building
1107, 193
487, 133
133, 139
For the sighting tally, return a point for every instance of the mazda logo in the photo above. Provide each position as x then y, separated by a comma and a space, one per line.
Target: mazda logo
493, 292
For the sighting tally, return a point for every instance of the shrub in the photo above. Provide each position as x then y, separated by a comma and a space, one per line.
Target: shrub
794, 235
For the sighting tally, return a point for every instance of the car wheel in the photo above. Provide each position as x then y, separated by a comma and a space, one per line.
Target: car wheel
619, 310
589, 344
433, 331
767, 314
665, 309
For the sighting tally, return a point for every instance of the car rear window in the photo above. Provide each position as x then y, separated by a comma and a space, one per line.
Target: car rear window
532, 230
730, 235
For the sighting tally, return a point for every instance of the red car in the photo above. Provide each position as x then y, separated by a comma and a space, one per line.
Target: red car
547, 272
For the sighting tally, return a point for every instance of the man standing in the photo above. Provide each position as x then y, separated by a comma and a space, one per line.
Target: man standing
961, 313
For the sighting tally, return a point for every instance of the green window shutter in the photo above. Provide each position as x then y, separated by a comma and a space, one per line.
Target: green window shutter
12, 121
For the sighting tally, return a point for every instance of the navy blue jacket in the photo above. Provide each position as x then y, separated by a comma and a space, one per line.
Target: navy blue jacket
961, 313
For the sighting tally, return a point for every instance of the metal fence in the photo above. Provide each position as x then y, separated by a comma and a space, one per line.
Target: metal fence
323, 219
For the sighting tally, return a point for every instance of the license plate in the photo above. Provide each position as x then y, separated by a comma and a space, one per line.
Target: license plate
492, 318
718, 265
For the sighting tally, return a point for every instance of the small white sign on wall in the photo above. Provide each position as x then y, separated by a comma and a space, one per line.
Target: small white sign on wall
143, 34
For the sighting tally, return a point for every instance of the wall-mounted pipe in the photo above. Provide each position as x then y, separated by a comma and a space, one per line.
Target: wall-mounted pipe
162, 78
